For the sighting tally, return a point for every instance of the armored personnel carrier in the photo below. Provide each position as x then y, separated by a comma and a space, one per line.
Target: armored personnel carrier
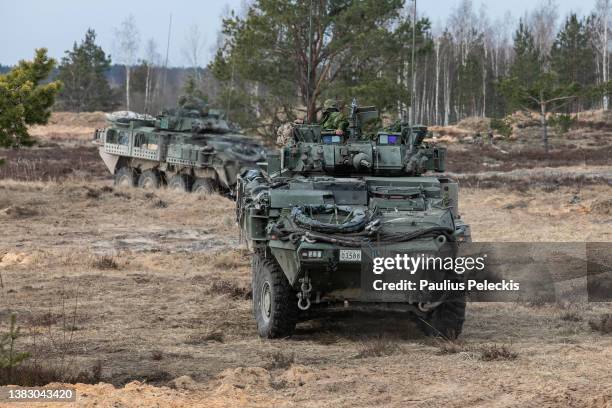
190, 148
329, 204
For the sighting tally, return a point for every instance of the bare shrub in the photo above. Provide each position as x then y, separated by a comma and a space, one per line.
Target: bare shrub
159, 204
495, 352
105, 262
602, 206
34, 374
45, 319
231, 260
17, 212
232, 289
279, 360
603, 325
377, 347
215, 336
570, 317
92, 193
201, 338
157, 355
446, 347
20, 368
121, 194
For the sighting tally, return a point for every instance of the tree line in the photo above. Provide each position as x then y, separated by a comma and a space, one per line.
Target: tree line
278, 55
277, 60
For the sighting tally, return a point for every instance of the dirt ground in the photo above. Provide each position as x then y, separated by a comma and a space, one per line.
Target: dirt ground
153, 288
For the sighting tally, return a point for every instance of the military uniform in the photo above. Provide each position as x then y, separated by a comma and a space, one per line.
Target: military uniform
333, 118
284, 134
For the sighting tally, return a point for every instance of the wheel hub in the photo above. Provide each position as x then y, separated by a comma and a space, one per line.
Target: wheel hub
265, 303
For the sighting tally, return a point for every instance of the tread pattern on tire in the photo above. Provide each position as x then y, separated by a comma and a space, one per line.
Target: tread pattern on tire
129, 172
207, 183
154, 175
284, 312
186, 180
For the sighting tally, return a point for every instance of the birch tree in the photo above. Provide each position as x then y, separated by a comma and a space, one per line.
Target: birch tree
601, 35
543, 24
152, 60
127, 40
193, 50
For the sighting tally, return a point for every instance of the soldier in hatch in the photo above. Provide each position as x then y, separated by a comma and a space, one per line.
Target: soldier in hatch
333, 118
195, 104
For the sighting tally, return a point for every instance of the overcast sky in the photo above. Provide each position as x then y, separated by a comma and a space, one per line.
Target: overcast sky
56, 24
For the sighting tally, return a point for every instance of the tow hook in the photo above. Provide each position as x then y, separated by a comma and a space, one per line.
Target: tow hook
304, 294
426, 307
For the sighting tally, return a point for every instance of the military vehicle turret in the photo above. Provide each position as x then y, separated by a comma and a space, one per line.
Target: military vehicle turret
190, 148
327, 205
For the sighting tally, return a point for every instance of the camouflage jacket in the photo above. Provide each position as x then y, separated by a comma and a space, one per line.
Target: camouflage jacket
334, 121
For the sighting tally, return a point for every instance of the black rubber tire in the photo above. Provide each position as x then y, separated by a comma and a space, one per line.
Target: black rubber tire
149, 179
126, 177
445, 320
180, 182
204, 186
279, 317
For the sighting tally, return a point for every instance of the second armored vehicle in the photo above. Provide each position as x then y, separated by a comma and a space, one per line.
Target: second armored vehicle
332, 204
190, 149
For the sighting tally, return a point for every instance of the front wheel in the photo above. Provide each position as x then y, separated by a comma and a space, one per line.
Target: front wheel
445, 320
274, 301
126, 177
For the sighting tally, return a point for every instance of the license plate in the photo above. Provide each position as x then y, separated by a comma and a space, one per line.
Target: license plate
350, 255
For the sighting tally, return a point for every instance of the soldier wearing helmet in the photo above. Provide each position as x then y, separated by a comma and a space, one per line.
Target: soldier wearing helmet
333, 118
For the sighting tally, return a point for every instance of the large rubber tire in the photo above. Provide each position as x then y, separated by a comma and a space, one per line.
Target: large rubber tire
204, 186
149, 179
445, 320
180, 182
126, 177
274, 301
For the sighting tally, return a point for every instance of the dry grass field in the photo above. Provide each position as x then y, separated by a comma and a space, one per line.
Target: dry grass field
146, 296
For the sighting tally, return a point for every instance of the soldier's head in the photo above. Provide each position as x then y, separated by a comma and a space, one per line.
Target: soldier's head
330, 105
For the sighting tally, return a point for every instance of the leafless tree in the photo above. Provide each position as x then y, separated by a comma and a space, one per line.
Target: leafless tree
127, 42
464, 21
601, 39
543, 23
152, 59
193, 49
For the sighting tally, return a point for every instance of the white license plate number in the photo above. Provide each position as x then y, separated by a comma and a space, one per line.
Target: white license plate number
350, 255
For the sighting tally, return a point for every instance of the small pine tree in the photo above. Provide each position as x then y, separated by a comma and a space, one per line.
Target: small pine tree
531, 87
82, 71
9, 358
25, 99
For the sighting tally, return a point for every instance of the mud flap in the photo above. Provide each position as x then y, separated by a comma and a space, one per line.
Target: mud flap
110, 160
286, 256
